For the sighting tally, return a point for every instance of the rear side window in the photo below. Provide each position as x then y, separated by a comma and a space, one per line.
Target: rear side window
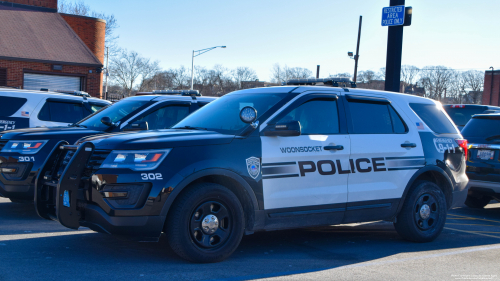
96, 107
10, 105
64, 112
434, 117
375, 118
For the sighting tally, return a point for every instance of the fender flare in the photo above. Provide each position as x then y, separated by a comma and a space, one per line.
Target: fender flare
414, 178
203, 173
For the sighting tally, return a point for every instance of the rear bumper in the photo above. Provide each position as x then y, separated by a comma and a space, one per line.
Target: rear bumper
459, 198
481, 188
145, 228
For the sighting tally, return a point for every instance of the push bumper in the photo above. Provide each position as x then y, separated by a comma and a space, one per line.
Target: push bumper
143, 228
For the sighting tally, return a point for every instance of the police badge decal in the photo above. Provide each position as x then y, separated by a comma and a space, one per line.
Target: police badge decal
253, 167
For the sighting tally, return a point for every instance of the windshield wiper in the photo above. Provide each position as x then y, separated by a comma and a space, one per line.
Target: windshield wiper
77, 125
493, 137
190, 128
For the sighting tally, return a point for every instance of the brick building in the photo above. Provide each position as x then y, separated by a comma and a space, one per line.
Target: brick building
491, 92
41, 48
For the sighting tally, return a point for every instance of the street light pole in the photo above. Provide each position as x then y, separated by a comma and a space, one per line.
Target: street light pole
199, 52
357, 51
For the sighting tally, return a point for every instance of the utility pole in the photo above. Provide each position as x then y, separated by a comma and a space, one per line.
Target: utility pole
107, 74
356, 57
394, 54
317, 71
491, 90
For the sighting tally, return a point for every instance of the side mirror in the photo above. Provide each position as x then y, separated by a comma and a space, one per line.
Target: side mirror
137, 126
107, 121
285, 129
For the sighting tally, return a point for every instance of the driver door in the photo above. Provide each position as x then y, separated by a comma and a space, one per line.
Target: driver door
305, 174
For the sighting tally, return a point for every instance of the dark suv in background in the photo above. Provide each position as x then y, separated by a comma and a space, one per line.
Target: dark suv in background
462, 113
483, 163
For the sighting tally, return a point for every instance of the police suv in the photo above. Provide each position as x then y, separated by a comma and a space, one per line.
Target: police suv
265, 159
23, 152
27, 108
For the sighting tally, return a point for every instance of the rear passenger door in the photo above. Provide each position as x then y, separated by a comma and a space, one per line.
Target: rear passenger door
385, 152
300, 174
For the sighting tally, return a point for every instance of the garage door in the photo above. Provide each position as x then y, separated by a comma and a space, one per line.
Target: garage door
52, 82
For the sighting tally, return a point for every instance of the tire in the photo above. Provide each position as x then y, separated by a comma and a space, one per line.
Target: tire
477, 202
193, 238
419, 223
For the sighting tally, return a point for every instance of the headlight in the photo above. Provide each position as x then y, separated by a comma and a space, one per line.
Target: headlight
24, 147
137, 160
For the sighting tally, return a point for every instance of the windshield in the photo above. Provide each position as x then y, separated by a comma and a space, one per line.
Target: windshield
462, 115
223, 114
116, 112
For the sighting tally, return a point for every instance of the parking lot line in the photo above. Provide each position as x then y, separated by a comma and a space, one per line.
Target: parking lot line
472, 232
473, 224
471, 218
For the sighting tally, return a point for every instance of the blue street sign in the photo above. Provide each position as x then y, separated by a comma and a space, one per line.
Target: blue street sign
394, 15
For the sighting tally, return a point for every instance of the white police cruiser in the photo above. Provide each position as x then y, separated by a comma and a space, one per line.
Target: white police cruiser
265, 159
28, 109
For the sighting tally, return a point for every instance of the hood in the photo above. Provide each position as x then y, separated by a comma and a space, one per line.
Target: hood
43, 133
158, 139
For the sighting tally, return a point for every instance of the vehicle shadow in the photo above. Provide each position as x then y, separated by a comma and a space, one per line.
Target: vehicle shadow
83, 255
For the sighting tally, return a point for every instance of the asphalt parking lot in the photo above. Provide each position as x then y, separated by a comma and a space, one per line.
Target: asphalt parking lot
468, 249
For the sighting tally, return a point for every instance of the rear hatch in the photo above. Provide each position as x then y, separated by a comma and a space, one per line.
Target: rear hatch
483, 134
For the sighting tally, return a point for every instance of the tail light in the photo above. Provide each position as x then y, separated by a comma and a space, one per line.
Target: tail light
457, 106
463, 144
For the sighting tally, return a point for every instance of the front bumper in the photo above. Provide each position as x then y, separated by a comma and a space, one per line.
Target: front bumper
18, 185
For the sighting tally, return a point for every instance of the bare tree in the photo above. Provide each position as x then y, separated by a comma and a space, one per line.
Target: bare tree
129, 69
366, 76
436, 80
409, 74
243, 73
277, 74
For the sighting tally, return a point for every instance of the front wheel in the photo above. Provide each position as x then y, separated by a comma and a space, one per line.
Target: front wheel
206, 223
423, 215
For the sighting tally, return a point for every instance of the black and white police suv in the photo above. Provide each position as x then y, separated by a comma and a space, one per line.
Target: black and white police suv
28, 109
23, 152
265, 159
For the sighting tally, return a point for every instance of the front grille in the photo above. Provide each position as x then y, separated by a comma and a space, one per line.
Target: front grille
3, 143
96, 159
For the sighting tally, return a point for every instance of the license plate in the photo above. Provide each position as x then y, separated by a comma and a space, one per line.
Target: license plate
485, 154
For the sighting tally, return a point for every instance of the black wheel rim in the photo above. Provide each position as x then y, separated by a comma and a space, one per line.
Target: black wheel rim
210, 235
426, 212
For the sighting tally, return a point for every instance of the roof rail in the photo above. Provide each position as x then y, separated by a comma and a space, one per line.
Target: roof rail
332, 82
195, 93
74, 93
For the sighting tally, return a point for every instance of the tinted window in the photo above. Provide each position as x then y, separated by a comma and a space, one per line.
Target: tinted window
61, 112
223, 114
116, 112
372, 118
434, 117
482, 128
397, 123
316, 117
165, 117
9, 105
96, 107
462, 115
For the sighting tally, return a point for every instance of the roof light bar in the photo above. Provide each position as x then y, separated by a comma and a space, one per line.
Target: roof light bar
333, 82
74, 93
177, 92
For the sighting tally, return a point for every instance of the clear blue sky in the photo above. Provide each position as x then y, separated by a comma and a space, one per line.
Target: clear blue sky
460, 34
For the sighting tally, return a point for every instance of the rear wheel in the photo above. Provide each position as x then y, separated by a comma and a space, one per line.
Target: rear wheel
477, 202
206, 223
423, 215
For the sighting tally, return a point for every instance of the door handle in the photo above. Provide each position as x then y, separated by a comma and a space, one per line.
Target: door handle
334, 147
408, 145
